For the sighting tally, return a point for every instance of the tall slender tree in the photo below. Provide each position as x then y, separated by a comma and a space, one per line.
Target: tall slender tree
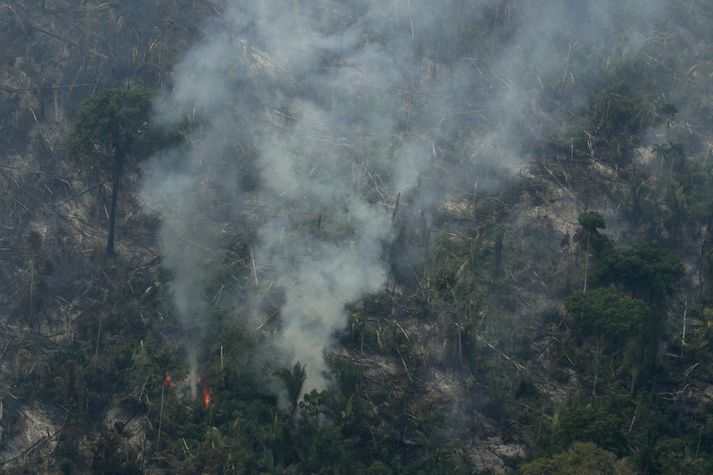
294, 380
111, 127
590, 239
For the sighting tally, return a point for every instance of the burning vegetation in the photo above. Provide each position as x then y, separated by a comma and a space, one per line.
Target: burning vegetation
183, 390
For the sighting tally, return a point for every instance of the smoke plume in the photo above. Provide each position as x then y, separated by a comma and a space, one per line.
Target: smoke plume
308, 119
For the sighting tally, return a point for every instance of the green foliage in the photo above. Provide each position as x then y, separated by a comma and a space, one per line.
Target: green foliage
293, 381
112, 457
646, 270
593, 424
583, 457
650, 273
348, 376
589, 237
677, 455
110, 122
109, 127
591, 221
606, 313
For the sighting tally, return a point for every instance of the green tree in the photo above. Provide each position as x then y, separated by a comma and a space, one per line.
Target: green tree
591, 221
606, 314
111, 127
647, 270
581, 458
293, 380
650, 273
590, 239
679, 455
608, 317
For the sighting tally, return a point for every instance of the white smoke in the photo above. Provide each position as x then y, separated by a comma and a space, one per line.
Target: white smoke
334, 109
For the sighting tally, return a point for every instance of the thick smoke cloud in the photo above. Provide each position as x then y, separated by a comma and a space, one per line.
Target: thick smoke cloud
307, 119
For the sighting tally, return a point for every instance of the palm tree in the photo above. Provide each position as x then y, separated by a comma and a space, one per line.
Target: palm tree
293, 380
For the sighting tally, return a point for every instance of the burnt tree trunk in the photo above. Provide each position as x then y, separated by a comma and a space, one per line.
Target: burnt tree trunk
118, 170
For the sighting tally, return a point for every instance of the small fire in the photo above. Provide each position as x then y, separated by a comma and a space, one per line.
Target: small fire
206, 397
184, 389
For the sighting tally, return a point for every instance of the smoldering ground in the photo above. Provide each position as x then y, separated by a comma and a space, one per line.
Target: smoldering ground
306, 121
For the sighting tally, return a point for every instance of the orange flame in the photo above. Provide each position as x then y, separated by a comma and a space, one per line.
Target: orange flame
169, 381
206, 397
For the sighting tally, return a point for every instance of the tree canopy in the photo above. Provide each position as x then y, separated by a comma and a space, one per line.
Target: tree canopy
606, 313
113, 121
591, 221
112, 125
583, 457
646, 270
